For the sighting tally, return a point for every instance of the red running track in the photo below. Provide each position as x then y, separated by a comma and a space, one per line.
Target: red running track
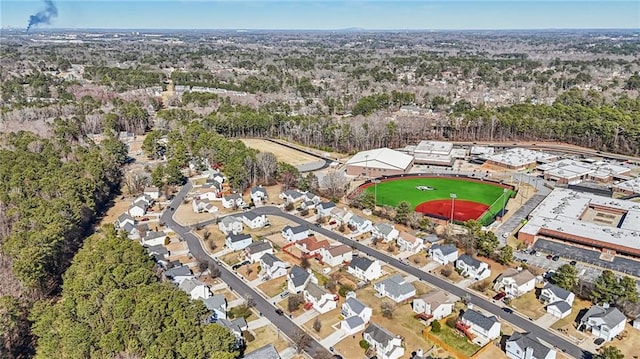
463, 210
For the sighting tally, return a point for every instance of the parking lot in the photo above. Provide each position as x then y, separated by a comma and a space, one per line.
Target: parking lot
584, 271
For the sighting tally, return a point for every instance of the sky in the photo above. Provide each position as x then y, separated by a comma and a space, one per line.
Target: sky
328, 14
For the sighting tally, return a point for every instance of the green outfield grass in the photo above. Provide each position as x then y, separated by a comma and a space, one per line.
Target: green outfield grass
393, 192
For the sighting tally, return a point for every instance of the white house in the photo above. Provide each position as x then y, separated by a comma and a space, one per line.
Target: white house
483, 329
265, 352
211, 195
341, 216
365, 269
195, 288
356, 315
527, 346
324, 208
437, 304
515, 283
232, 201
336, 255
311, 197
472, 268
254, 221
443, 254
604, 322
144, 200
238, 241
256, 250
153, 192
321, 300
384, 231
291, 196
178, 274
360, 225
407, 242
258, 194
272, 266
559, 301
294, 234
308, 205
386, 344
203, 205
217, 304
137, 209
154, 239
123, 220
396, 288
230, 224
297, 279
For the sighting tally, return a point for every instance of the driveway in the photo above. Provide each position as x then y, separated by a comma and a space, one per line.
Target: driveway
546, 320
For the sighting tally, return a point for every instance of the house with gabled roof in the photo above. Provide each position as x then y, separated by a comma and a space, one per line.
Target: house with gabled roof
311, 245
122, 220
297, 279
311, 197
232, 201
217, 304
527, 346
153, 192
395, 287
443, 254
137, 209
407, 242
360, 225
472, 268
386, 344
203, 205
603, 321
482, 328
195, 288
320, 298
515, 282
258, 194
272, 266
336, 255
365, 269
436, 304
253, 220
340, 215
559, 301
154, 238
291, 196
385, 231
296, 233
351, 308
230, 224
256, 250
324, 208
238, 241
265, 352
178, 274
236, 326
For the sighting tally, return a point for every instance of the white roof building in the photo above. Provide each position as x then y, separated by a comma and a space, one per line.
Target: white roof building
631, 186
378, 162
570, 171
520, 158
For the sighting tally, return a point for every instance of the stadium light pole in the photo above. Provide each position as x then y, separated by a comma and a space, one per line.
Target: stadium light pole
366, 162
504, 201
453, 202
375, 191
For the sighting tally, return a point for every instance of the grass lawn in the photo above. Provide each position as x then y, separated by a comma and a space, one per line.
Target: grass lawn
570, 320
528, 305
327, 320
457, 340
629, 345
273, 287
266, 335
233, 257
419, 259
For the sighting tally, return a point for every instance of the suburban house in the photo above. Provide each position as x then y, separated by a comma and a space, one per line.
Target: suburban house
604, 321
385, 231
386, 344
123, 220
272, 266
256, 250
195, 288
356, 315
307, 205
236, 326
360, 225
324, 208
311, 245
291, 196
527, 346
203, 205
341, 215
320, 298
443, 254
472, 268
217, 304
238, 241
437, 304
153, 192
258, 194
266, 352
297, 279
232, 201
178, 274
558, 300
336, 255
254, 221
365, 269
514, 282
407, 242
230, 224
154, 239
294, 234
138, 209
483, 329
211, 196
396, 288
311, 197
159, 254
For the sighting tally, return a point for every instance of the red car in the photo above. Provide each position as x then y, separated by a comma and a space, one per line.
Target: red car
500, 295
144, 219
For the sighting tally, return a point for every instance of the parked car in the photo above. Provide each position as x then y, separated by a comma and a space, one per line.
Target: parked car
555, 258
284, 294
499, 296
549, 256
573, 263
533, 252
144, 219
279, 311
507, 310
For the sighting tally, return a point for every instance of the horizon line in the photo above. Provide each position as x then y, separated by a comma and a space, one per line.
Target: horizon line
352, 29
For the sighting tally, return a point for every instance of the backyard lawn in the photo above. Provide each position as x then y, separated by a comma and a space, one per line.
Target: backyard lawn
266, 335
457, 340
327, 320
274, 286
528, 305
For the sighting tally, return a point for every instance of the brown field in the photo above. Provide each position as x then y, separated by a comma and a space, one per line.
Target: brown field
529, 305
629, 345
327, 320
419, 259
249, 272
120, 206
216, 238
282, 153
266, 335
273, 287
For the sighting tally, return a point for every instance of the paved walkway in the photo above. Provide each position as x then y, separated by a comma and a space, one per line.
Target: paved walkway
258, 323
305, 317
236, 302
333, 338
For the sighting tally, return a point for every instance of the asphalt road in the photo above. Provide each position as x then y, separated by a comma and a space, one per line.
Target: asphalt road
239, 286
478, 301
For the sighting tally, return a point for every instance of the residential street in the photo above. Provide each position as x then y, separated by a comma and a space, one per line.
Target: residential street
239, 286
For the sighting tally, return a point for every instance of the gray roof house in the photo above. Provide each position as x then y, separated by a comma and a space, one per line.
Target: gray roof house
365, 269
396, 288
443, 254
483, 328
217, 304
297, 279
386, 344
527, 346
604, 322
256, 250
266, 352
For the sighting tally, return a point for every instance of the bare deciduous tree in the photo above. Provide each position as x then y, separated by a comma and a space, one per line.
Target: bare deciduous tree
267, 164
335, 184
301, 341
387, 309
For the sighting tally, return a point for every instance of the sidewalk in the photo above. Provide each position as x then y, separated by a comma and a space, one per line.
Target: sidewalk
305, 317
333, 338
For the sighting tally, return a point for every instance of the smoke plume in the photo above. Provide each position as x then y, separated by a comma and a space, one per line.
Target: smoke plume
43, 16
